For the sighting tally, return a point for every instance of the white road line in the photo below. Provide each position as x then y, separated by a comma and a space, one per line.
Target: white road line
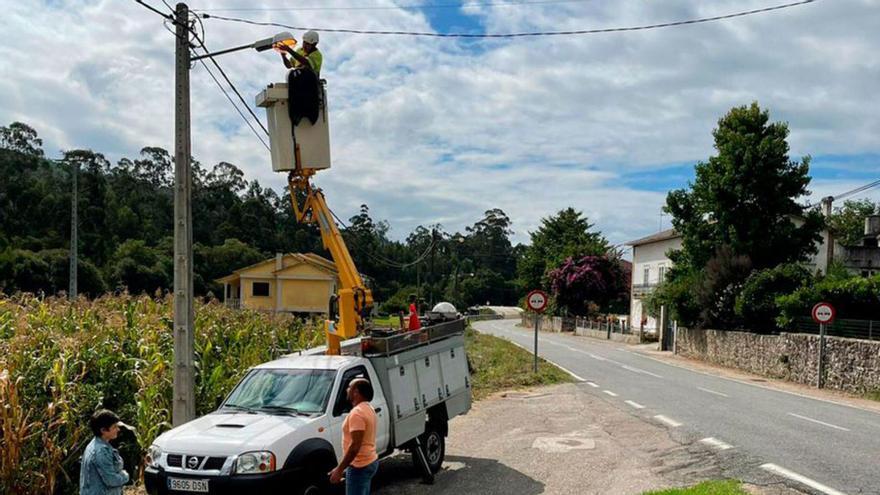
819, 422
634, 404
785, 473
594, 385
712, 392
612, 394
569, 372
718, 444
639, 370
669, 421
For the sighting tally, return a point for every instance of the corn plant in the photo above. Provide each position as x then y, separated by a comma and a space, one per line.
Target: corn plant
61, 360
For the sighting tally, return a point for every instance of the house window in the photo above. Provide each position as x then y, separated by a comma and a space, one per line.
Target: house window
261, 289
646, 275
661, 274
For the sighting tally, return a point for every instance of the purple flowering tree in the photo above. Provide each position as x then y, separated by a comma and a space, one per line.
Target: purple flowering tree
589, 282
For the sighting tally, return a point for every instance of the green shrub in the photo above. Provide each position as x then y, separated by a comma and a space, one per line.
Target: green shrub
756, 303
854, 298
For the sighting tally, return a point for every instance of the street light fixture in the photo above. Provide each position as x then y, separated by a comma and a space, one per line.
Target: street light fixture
259, 45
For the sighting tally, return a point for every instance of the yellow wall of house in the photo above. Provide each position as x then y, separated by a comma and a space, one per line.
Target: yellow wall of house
249, 301
303, 270
305, 295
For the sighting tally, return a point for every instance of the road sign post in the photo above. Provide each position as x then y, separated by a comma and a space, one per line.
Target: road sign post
823, 314
536, 301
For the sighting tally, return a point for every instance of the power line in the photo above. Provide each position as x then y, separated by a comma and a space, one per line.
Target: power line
521, 34
857, 190
391, 7
246, 121
154, 9
379, 258
231, 85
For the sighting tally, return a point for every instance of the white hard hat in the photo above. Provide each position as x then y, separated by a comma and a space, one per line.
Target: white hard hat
311, 37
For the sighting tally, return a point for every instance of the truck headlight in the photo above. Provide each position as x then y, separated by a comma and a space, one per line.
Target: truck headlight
255, 463
154, 453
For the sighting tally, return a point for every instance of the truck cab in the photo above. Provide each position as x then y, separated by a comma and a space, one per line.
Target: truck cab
280, 429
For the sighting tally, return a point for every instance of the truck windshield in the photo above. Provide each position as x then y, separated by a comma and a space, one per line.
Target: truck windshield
296, 390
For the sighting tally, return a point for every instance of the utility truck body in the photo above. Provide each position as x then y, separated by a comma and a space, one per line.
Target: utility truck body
280, 429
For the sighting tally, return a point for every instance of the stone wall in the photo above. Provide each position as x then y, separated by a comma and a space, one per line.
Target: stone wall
852, 365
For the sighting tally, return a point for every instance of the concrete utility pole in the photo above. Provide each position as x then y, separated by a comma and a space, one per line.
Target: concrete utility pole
183, 404
74, 221
829, 238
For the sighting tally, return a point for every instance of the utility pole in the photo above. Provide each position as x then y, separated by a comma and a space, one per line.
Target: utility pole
829, 238
74, 221
183, 404
431, 281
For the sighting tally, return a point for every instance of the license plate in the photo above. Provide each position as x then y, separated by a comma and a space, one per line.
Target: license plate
188, 485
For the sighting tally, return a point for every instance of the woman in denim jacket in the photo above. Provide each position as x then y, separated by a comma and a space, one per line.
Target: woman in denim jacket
101, 472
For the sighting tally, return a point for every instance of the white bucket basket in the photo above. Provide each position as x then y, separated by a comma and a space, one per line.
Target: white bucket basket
313, 139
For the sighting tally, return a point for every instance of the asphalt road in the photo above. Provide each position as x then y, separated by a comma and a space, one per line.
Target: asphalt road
808, 443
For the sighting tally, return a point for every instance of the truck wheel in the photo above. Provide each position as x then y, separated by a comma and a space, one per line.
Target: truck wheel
310, 487
434, 444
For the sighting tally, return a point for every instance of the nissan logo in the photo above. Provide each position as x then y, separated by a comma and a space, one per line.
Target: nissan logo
192, 462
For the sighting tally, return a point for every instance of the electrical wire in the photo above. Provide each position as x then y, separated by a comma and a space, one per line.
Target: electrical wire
392, 7
231, 85
380, 258
517, 35
154, 9
857, 190
231, 101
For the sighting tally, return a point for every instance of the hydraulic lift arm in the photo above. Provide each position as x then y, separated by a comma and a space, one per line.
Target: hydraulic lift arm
354, 299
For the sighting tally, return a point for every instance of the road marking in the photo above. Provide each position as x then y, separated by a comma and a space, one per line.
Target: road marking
612, 394
570, 373
669, 421
819, 422
712, 392
600, 358
635, 404
785, 473
594, 385
718, 444
639, 370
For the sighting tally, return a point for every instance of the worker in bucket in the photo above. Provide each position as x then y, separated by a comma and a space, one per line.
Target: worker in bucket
307, 56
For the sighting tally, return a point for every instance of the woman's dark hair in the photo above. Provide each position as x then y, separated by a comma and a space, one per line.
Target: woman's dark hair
412, 298
102, 418
364, 388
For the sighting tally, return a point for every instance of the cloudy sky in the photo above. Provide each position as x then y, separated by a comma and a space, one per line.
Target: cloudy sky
428, 130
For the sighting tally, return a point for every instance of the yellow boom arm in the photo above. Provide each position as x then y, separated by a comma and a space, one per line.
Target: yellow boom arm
353, 298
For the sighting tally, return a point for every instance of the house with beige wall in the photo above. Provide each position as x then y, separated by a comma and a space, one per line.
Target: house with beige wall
293, 282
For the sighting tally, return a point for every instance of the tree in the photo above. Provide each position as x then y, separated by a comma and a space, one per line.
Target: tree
848, 222
745, 197
564, 235
21, 138
140, 268
579, 284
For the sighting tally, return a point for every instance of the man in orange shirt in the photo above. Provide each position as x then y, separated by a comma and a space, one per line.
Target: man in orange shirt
360, 460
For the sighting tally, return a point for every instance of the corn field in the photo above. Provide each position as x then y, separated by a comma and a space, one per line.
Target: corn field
61, 360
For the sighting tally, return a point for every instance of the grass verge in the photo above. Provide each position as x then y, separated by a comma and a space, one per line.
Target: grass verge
500, 365
726, 487
875, 395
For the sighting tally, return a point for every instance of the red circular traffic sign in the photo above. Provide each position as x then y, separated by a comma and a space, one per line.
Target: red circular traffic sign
536, 300
823, 313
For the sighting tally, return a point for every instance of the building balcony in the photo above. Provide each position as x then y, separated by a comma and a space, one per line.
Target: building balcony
233, 303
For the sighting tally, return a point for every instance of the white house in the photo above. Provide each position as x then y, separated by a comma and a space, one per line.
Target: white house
650, 264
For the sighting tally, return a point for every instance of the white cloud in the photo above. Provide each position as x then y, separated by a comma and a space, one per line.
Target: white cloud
428, 130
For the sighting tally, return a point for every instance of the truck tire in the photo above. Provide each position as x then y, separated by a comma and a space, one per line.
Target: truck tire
311, 486
434, 443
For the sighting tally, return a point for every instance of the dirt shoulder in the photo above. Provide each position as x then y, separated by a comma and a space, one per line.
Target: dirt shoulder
557, 440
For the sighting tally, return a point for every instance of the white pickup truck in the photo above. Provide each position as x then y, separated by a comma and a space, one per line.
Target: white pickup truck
280, 429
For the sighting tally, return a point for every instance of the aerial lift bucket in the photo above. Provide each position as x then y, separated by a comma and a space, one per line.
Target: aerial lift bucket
307, 144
